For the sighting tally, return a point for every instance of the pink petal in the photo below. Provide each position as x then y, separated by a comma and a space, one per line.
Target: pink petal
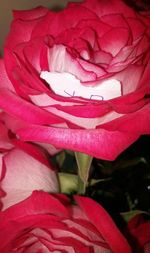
22, 26
104, 224
23, 175
29, 81
26, 241
99, 143
100, 72
52, 99
4, 139
130, 78
133, 101
55, 23
143, 45
49, 148
139, 229
124, 57
112, 42
60, 60
127, 107
103, 8
20, 32
102, 58
32, 212
92, 110
24, 110
99, 27
83, 122
12, 123
137, 27
146, 74
115, 20
30, 14
137, 122
25, 82
73, 37
38, 203
11, 69
33, 51
4, 80
33, 151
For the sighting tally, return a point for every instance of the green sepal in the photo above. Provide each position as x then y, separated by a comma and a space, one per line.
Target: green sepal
68, 183
84, 164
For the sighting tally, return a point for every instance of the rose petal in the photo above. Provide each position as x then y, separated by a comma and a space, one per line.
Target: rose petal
20, 216
20, 32
112, 42
84, 122
104, 224
137, 122
30, 113
130, 82
4, 80
23, 175
4, 139
103, 8
55, 23
99, 143
137, 27
35, 13
61, 61
38, 203
35, 53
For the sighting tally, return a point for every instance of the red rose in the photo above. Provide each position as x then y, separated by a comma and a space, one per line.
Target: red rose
23, 168
45, 223
81, 76
140, 231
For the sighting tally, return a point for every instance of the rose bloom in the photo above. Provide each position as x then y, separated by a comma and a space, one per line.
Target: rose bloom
50, 223
79, 76
140, 231
23, 168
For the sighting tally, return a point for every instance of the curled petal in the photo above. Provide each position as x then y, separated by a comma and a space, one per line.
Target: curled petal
99, 143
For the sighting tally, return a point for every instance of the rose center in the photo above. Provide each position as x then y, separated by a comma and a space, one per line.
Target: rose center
67, 85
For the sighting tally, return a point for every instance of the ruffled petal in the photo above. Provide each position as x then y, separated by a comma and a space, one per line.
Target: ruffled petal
55, 23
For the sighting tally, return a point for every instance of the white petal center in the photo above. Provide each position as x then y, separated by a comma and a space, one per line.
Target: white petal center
67, 85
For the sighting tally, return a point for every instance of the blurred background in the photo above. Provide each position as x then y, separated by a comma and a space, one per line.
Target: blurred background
7, 6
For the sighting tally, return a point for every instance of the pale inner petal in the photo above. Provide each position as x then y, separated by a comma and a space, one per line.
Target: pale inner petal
67, 85
88, 123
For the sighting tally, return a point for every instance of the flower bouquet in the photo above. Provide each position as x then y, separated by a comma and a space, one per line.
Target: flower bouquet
74, 121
